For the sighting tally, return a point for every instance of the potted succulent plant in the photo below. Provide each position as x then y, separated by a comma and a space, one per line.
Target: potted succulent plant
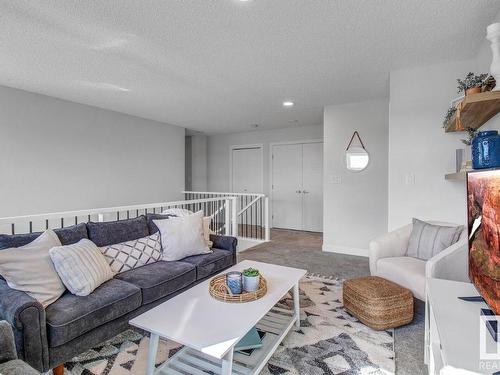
251, 279
472, 83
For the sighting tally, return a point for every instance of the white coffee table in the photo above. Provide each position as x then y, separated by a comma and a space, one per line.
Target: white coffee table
209, 329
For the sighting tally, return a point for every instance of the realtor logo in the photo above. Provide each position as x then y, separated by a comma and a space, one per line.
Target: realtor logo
489, 348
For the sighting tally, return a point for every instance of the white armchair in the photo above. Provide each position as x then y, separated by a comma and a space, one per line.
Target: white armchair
388, 260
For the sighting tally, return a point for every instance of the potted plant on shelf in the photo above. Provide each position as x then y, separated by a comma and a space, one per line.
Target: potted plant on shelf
251, 280
451, 111
471, 84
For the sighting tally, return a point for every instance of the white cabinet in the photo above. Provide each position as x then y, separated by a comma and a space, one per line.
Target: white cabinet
452, 338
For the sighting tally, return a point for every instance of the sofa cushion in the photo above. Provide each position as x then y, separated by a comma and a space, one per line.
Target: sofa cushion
111, 232
160, 279
71, 316
67, 236
209, 264
406, 271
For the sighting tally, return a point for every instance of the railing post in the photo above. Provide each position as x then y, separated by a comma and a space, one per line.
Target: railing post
267, 229
227, 217
234, 217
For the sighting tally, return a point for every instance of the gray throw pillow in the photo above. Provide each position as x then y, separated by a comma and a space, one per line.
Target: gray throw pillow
427, 240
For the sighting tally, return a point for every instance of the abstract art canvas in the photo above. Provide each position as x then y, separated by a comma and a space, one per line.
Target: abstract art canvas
483, 209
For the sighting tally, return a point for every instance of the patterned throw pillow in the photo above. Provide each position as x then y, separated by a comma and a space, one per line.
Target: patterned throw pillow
133, 254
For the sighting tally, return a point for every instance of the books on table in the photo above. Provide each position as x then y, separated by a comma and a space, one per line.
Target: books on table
251, 341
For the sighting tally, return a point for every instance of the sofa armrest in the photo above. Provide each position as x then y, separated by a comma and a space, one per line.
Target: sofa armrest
7, 345
451, 263
392, 244
27, 318
225, 243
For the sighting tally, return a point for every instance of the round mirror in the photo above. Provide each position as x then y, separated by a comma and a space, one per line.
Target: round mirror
356, 159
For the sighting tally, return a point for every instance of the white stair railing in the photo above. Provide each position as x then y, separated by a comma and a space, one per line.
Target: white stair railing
252, 219
222, 210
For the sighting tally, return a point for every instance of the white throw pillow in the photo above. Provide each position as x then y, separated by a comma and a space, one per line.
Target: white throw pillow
81, 266
128, 255
182, 236
177, 212
29, 269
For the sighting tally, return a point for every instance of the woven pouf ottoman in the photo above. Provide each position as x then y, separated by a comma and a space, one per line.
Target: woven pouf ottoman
378, 303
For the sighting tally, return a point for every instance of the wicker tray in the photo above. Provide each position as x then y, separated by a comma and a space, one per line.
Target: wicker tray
219, 290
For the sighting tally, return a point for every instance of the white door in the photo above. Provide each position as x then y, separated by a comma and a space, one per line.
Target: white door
247, 170
297, 186
312, 187
286, 184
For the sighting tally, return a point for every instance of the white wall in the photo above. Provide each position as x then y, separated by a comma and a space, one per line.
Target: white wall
419, 146
57, 155
219, 150
355, 210
199, 162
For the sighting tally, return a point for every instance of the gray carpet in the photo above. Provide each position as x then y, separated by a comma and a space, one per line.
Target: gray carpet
303, 250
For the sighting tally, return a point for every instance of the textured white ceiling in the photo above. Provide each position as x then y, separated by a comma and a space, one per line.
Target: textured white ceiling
222, 65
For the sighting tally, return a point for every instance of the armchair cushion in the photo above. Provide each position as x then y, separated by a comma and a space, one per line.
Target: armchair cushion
427, 240
392, 244
7, 345
406, 271
17, 367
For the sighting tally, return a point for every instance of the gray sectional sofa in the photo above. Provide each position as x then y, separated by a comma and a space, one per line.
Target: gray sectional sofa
46, 338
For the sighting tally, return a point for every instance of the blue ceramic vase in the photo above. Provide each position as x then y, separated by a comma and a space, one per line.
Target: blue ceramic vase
234, 282
486, 150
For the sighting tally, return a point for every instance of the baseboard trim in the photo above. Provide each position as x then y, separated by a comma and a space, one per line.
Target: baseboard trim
330, 248
245, 243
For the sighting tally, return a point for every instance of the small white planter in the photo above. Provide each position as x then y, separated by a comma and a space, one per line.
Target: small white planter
251, 283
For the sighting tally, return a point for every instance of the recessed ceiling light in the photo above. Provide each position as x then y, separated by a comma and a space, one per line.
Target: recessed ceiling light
288, 103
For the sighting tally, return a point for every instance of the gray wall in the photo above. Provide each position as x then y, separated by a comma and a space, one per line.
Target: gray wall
219, 150
57, 155
199, 162
355, 203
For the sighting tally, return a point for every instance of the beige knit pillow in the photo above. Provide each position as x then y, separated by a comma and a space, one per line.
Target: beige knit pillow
29, 269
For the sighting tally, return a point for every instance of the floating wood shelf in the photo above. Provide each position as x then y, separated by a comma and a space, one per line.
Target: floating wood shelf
474, 110
458, 176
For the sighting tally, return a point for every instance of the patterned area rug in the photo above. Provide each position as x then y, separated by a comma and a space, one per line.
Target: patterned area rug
330, 341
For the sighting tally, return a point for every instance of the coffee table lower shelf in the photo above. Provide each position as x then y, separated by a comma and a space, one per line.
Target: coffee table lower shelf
276, 323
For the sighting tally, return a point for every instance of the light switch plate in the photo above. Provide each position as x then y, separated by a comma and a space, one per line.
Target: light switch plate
410, 179
335, 179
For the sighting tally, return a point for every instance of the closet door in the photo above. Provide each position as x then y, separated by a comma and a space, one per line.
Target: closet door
312, 187
287, 186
